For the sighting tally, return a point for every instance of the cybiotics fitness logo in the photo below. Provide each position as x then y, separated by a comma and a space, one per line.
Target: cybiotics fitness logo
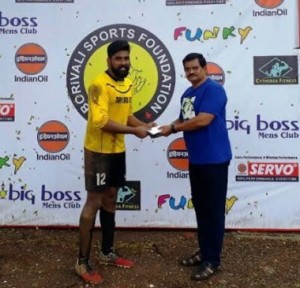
275, 70
129, 196
152, 69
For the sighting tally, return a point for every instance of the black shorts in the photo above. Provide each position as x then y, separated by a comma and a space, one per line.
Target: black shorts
104, 170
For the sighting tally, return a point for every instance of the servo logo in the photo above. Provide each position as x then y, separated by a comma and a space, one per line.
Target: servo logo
53, 137
269, 4
7, 112
267, 171
215, 72
152, 69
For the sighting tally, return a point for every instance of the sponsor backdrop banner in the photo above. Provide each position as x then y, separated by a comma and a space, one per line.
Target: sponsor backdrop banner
50, 50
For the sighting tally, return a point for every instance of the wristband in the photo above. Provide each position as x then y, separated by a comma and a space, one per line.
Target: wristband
173, 130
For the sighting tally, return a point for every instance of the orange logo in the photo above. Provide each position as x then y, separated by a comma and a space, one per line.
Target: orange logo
242, 168
53, 136
269, 4
31, 58
178, 155
215, 72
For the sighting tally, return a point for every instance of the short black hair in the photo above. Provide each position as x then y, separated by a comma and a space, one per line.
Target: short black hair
192, 56
116, 46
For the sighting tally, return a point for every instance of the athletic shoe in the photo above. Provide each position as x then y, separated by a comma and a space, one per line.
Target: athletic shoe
193, 260
87, 273
114, 259
204, 272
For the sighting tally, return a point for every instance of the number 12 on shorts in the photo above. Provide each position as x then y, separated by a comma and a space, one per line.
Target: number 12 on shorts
101, 179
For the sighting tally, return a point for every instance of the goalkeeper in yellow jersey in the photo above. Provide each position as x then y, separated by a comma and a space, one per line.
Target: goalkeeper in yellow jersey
110, 118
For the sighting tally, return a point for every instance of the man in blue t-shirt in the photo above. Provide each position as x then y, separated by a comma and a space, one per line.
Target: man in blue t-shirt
203, 122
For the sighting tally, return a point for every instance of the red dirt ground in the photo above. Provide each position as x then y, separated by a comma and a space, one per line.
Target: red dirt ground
45, 258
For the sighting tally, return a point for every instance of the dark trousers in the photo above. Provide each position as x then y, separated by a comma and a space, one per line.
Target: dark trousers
209, 189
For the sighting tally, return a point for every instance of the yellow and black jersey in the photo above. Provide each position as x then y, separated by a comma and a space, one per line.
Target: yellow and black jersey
108, 99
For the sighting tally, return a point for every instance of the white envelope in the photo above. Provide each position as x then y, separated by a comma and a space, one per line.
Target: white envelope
154, 130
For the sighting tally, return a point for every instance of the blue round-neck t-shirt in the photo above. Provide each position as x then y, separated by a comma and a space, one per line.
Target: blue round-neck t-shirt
208, 145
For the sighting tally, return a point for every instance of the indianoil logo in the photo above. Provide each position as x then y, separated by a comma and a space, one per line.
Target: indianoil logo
31, 58
215, 72
152, 69
269, 4
178, 155
53, 136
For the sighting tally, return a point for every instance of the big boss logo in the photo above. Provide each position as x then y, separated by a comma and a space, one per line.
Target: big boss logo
152, 70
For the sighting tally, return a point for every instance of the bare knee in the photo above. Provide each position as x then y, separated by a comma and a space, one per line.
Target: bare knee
91, 206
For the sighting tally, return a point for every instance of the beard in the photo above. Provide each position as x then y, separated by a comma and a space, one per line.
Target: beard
120, 72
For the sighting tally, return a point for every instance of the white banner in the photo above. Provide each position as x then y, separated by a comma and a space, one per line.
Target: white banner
49, 52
